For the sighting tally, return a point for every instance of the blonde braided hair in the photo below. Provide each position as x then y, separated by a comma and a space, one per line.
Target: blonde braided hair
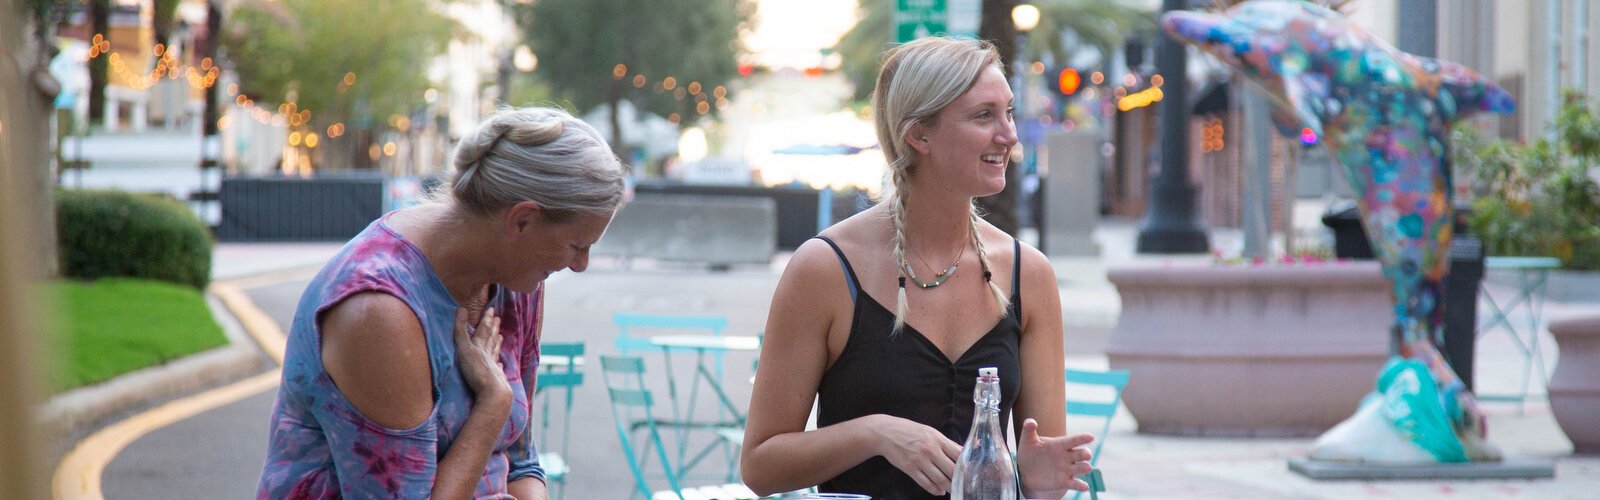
918, 80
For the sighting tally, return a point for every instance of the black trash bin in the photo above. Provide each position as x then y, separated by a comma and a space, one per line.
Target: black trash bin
1349, 239
1460, 286
1461, 299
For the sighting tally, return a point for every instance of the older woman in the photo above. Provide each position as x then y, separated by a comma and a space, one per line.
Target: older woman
886, 317
412, 355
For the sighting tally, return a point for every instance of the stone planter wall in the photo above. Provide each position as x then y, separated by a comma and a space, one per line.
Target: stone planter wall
1270, 351
1573, 286
1562, 286
1575, 385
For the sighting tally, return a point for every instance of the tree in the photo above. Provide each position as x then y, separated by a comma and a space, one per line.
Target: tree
863, 46
164, 13
99, 67
355, 62
1101, 24
594, 52
24, 162
996, 26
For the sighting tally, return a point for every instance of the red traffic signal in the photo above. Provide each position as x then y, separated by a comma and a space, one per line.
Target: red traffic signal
1067, 82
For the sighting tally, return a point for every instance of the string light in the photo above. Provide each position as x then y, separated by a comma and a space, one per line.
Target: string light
1211, 136
1140, 99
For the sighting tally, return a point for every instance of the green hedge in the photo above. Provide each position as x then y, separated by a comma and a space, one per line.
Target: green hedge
115, 233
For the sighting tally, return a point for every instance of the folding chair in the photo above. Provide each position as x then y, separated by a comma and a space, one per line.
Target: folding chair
1115, 381
559, 371
631, 410
631, 328
628, 324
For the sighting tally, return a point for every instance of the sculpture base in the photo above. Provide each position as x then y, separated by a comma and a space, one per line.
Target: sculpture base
1512, 467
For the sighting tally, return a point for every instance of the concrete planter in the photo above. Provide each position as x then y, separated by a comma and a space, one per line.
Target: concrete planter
1573, 286
1274, 351
1575, 386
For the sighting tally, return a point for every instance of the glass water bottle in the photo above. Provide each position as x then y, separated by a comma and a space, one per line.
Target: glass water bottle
984, 471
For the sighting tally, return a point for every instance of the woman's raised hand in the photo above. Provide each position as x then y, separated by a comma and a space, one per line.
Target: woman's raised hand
918, 450
1052, 464
478, 354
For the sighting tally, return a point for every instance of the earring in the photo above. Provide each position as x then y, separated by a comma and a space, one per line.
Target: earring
924, 138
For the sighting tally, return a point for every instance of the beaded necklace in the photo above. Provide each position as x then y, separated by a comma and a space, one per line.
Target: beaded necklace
938, 279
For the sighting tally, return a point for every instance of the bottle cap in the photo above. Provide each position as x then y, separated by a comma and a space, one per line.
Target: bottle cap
988, 371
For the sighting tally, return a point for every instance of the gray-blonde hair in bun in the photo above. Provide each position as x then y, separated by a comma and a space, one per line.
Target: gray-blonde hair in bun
537, 154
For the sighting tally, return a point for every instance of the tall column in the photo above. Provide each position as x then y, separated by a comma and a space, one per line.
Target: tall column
1580, 44
1552, 103
1419, 33
1171, 224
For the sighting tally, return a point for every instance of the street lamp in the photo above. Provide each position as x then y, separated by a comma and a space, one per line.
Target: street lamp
524, 59
1025, 17
1171, 223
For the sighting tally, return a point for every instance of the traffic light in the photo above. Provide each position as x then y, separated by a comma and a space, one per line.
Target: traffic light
1067, 81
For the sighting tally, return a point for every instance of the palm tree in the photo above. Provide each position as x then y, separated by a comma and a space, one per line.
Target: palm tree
1100, 24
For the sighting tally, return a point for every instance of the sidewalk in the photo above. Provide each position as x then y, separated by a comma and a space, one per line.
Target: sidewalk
232, 261
1135, 465
1150, 466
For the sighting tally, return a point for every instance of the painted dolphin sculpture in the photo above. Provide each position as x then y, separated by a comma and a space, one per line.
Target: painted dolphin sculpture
1385, 115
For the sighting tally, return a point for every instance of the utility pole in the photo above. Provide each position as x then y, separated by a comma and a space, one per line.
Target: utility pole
1170, 224
206, 200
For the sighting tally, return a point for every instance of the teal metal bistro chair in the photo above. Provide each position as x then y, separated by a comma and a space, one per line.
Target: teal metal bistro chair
558, 377
1103, 409
632, 411
633, 335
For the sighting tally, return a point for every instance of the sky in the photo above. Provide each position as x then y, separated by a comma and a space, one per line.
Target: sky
790, 33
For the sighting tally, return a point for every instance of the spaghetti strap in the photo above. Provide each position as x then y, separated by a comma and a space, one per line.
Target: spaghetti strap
849, 272
1016, 277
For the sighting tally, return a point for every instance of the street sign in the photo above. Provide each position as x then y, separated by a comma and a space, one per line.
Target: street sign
915, 19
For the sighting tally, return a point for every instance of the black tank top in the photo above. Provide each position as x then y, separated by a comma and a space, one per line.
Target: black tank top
907, 376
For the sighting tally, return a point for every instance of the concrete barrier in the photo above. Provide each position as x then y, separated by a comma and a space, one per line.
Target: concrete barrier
718, 230
1072, 200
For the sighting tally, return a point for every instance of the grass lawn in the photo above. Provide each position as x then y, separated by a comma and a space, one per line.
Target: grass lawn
113, 326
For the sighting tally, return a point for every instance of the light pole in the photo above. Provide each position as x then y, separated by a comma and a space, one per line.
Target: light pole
1026, 17
1170, 224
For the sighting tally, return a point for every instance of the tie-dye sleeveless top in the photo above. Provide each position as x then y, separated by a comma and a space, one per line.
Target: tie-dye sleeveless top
322, 447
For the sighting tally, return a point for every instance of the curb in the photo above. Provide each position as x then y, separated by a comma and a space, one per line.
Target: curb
91, 404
